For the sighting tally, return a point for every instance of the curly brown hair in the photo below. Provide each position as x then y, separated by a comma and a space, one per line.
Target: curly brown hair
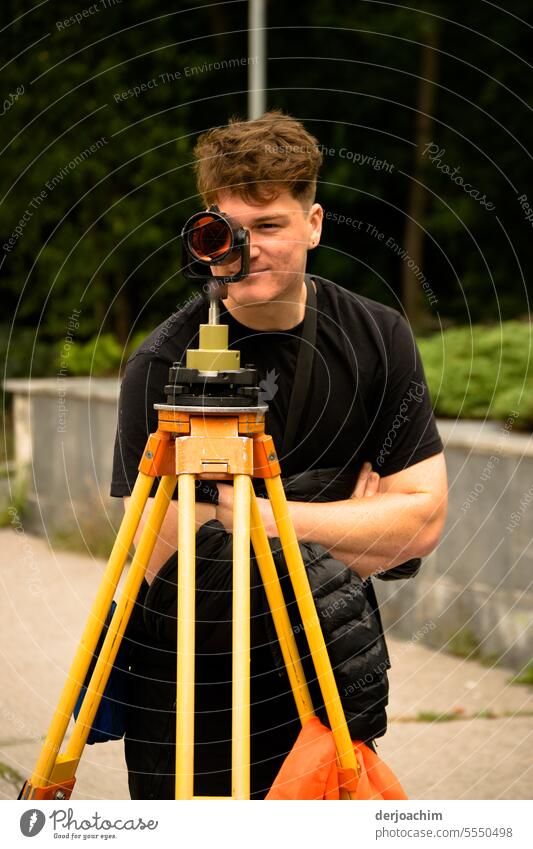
258, 160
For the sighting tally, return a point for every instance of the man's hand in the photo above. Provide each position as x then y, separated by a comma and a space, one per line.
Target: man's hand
224, 508
367, 483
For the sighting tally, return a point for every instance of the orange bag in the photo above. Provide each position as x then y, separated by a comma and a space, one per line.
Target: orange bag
310, 770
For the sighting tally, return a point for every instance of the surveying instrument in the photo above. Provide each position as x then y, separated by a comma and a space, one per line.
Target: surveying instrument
211, 428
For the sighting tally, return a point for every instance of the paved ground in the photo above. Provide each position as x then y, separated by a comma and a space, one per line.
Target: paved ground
483, 752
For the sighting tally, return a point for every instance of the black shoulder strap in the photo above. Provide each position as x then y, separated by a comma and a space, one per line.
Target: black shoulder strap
304, 365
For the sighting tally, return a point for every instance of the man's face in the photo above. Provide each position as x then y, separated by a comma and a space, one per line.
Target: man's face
281, 233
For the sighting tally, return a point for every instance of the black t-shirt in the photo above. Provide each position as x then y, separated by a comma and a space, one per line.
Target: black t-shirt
367, 398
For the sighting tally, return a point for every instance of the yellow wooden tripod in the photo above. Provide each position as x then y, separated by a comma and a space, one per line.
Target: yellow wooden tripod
225, 442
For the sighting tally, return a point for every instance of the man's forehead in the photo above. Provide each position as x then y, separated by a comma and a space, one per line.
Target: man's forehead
283, 205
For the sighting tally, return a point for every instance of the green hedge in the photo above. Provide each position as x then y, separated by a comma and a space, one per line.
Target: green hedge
481, 372
30, 354
98, 357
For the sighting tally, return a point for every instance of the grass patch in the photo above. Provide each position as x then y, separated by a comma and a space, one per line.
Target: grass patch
7, 446
89, 540
13, 510
492, 659
93, 533
433, 716
463, 643
10, 775
525, 676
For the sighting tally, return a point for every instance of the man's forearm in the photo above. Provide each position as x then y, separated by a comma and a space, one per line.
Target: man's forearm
368, 534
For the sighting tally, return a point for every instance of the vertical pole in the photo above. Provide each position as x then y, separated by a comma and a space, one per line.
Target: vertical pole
256, 58
240, 756
186, 622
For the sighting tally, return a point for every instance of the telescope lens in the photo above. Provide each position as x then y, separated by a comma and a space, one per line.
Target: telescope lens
209, 239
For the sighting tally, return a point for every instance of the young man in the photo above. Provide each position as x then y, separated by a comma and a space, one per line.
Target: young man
367, 408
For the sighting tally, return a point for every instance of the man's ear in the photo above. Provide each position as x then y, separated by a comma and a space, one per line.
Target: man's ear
315, 218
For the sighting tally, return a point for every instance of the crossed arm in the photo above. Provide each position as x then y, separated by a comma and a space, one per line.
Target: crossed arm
385, 522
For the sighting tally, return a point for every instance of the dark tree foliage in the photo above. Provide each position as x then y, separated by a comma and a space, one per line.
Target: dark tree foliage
97, 178
356, 82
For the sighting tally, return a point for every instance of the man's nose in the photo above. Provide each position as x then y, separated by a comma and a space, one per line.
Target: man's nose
233, 267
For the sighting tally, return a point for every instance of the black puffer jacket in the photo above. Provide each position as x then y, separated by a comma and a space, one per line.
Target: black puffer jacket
357, 649
345, 603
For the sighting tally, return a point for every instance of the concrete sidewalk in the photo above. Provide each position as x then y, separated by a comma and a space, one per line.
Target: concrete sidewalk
457, 730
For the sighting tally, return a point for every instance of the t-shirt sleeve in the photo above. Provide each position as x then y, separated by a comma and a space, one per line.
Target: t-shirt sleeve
142, 387
404, 431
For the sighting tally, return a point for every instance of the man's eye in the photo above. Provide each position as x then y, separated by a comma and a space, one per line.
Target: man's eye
268, 226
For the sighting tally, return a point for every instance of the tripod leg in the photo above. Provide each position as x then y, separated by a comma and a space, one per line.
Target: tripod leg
186, 624
53, 768
313, 631
121, 617
276, 602
82, 659
240, 766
